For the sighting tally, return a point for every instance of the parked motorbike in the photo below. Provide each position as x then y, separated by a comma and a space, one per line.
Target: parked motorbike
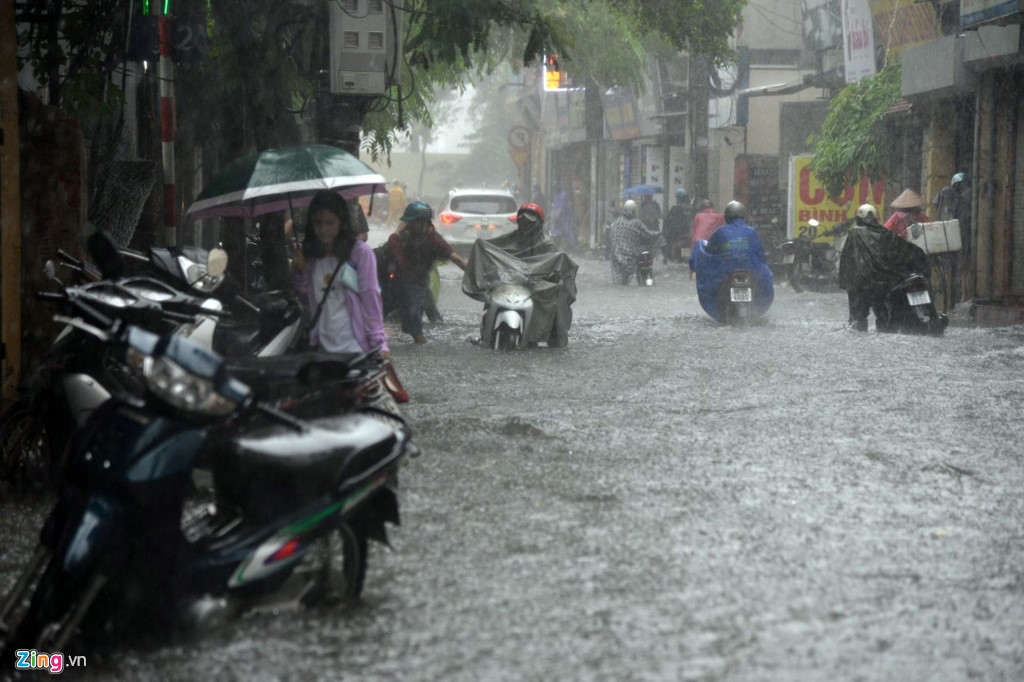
909, 308
77, 374
645, 269
261, 323
812, 265
295, 501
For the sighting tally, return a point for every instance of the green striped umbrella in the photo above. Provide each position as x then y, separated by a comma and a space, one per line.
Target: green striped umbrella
281, 179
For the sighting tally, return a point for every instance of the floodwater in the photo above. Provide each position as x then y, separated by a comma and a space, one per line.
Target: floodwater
668, 499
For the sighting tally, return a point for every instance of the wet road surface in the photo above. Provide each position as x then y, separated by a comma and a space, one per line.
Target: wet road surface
668, 499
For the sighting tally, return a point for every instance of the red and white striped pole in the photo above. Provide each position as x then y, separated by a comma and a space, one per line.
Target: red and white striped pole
166, 75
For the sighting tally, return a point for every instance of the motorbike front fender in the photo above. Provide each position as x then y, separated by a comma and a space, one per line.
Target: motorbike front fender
511, 318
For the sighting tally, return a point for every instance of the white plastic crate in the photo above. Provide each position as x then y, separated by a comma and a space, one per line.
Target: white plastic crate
938, 237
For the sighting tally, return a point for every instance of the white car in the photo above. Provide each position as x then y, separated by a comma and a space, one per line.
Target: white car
468, 214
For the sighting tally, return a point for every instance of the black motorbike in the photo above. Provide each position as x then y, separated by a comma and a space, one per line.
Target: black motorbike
812, 265
645, 269
264, 323
909, 308
127, 548
736, 298
76, 375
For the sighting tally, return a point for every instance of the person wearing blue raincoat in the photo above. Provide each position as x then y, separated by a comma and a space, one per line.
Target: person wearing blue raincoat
733, 246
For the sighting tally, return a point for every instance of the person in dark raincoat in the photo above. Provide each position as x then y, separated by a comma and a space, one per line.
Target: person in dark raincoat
528, 258
733, 246
676, 228
528, 238
873, 261
630, 237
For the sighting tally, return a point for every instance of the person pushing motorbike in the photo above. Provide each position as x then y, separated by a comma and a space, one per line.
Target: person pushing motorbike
629, 238
873, 260
414, 246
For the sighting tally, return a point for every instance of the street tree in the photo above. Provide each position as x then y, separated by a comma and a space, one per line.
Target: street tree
856, 140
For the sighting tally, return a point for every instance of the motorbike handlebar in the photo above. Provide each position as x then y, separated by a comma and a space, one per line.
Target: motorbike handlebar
51, 296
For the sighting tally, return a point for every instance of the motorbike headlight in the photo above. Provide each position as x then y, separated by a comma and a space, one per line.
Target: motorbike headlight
169, 382
198, 277
208, 283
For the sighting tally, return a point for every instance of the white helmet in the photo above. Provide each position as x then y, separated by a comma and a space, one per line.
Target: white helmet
867, 215
629, 206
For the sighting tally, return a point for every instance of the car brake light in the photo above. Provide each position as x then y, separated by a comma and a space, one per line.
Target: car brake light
448, 217
513, 218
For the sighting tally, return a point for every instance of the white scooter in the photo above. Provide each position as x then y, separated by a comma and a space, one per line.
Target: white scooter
507, 315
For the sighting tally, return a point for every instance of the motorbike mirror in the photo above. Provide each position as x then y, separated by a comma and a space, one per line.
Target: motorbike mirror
216, 262
51, 272
813, 223
105, 254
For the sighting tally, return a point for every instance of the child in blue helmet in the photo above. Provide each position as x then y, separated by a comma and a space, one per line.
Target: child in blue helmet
415, 245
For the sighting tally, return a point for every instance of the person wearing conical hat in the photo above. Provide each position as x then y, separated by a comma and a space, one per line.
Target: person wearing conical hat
908, 207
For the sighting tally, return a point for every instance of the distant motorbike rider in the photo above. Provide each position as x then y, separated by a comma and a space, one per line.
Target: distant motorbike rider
874, 259
675, 228
733, 246
630, 237
528, 239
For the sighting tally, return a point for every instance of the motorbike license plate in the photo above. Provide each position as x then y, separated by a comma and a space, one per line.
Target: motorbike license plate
788, 258
918, 298
740, 295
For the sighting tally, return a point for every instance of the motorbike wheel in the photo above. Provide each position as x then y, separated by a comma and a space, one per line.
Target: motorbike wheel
341, 554
506, 339
797, 274
25, 456
52, 618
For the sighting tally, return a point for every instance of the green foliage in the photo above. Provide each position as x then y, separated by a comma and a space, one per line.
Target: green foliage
451, 42
266, 56
70, 54
855, 139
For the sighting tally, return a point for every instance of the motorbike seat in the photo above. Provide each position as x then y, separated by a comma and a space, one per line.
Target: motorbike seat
276, 467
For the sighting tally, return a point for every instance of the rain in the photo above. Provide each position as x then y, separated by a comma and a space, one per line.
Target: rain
668, 498
665, 497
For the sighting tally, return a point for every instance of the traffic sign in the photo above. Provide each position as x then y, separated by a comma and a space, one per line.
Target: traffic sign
519, 137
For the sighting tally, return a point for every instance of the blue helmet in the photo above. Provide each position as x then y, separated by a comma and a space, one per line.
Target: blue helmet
417, 210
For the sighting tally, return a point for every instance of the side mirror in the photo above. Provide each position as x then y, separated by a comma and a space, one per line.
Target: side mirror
105, 254
50, 270
216, 262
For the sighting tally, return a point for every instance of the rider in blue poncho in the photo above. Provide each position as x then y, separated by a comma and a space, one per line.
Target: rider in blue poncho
733, 246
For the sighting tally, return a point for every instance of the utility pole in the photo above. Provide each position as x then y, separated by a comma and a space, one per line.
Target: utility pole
699, 125
166, 74
10, 206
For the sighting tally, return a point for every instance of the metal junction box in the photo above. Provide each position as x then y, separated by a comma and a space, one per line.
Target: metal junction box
366, 44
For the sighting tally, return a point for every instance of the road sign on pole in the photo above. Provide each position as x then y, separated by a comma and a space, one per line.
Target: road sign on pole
519, 138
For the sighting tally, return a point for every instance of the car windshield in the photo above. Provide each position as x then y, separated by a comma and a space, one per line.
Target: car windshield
483, 205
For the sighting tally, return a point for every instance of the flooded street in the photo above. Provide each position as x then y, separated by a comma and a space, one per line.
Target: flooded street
668, 499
